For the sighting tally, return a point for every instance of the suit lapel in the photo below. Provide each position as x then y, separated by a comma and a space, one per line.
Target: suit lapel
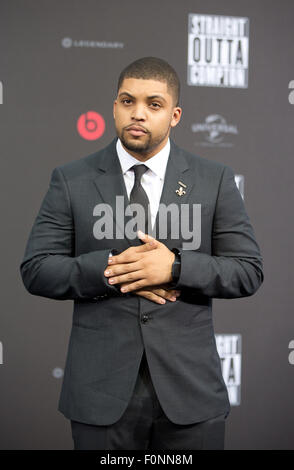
177, 174
110, 184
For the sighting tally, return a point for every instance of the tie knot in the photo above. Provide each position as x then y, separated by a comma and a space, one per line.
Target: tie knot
139, 170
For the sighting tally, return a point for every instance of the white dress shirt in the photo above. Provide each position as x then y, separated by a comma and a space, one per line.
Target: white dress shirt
152, 180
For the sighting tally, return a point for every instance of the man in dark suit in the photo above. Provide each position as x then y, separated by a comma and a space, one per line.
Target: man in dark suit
142, 369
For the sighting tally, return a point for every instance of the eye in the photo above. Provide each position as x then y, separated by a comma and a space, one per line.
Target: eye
126, 101
155, 105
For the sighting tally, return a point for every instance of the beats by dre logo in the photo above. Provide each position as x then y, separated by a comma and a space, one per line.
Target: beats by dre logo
91, 125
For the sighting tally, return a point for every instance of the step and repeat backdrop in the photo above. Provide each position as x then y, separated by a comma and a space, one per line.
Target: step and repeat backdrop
59, 65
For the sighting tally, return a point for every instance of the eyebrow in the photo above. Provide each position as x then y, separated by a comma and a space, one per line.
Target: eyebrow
152, 97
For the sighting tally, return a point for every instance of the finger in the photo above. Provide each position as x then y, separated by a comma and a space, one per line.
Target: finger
119, 269
134, 276
166, 287
168, 295
146, 238
134, 286
131, 254
127, 256
150, 296
158, 290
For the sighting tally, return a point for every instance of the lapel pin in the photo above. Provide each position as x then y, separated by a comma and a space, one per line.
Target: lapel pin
180, 191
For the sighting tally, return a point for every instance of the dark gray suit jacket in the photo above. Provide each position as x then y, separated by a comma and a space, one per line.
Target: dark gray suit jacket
63, 260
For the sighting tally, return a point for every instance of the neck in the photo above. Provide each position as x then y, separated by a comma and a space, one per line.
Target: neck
143, 156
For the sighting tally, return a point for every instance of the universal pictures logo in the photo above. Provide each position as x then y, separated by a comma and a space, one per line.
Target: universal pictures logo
214, 130
291, 94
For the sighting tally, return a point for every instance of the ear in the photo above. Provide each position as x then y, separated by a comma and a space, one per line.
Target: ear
177, 113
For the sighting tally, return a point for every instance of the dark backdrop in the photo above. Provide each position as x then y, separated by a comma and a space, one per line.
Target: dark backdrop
60, 60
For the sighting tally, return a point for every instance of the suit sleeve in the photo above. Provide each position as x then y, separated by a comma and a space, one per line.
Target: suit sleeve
234, 268
49, 267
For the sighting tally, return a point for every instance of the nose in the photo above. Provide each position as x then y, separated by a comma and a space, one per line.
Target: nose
138, 112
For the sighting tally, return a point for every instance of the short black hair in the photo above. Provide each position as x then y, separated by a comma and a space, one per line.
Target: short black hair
149, 68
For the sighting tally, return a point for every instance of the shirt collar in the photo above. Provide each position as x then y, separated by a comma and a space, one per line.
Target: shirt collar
157, 163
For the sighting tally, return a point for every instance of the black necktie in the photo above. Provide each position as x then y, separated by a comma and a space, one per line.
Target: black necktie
139, 196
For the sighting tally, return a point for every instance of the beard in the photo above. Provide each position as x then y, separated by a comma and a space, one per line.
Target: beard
142, 147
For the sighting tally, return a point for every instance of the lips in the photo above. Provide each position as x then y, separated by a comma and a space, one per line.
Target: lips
136, 131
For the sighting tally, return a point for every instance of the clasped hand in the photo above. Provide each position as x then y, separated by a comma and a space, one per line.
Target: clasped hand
144, 270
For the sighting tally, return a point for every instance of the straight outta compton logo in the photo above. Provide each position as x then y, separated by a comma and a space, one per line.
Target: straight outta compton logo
229, 350
218, 49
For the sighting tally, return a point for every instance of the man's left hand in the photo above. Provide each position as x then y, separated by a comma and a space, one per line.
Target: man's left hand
142, 269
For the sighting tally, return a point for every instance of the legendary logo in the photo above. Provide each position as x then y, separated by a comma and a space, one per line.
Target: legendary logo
69, 42
218, 48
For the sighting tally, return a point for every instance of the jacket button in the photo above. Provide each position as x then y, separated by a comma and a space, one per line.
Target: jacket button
144, 318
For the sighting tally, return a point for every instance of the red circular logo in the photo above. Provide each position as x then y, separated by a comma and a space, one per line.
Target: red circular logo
91, 125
